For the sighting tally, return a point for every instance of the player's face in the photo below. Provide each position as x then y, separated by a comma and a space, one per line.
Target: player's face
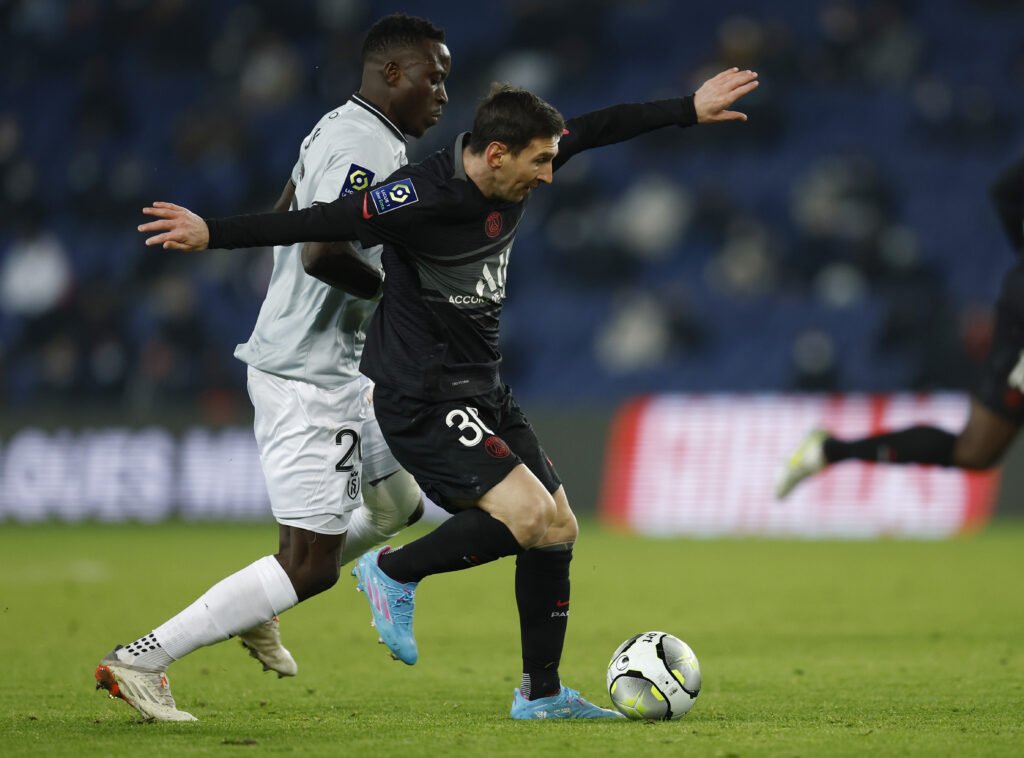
421, 93
527, 170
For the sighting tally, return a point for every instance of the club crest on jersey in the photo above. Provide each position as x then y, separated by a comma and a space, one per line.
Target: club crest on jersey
358, 179
492, 226
391, 197
496, 447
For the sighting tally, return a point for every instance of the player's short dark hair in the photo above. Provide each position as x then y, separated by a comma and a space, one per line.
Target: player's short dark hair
396, 31
514, 117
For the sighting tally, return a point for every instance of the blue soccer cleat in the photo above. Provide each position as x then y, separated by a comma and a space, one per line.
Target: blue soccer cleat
391, 604
567, 704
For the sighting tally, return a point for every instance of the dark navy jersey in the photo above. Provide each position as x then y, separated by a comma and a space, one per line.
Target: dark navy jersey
446, 255
1008, 199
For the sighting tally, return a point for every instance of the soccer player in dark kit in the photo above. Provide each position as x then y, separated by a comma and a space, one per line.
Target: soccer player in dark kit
448, 225
997, 407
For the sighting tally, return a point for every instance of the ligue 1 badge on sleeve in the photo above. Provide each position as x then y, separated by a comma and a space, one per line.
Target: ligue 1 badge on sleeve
391, 197
358, 179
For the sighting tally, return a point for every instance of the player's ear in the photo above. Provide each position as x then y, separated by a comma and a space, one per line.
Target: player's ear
496, 154
392, 73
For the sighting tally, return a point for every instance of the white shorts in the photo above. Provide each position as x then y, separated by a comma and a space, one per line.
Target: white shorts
316, 447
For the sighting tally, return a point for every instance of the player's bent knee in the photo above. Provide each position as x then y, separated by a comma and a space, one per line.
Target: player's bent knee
533, 520
309, 574
562, 531
393, 502
977, 460
977, 455
315, 579
416, 514
564, 528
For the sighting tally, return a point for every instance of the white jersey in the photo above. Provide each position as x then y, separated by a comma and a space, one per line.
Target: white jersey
308, 330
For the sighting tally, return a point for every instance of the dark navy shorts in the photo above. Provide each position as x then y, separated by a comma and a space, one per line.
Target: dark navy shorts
457, 450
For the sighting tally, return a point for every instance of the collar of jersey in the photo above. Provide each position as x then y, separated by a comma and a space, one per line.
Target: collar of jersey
458, 165
361, 101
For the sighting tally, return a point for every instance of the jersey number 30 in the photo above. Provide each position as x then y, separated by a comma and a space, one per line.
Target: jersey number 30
474, 427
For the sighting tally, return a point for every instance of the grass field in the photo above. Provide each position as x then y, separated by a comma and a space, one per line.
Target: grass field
807, 649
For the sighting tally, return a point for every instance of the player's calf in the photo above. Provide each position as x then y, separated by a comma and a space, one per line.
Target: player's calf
310, 560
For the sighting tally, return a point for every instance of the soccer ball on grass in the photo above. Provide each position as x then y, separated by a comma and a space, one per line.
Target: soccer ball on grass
654, 676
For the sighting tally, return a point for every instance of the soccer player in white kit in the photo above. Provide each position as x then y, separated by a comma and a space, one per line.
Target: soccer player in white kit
335, 489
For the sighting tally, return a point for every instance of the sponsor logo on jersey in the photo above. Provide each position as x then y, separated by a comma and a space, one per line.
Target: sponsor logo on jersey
467, 300
391, 197
492, 226
491, 284
358, 179
490, 287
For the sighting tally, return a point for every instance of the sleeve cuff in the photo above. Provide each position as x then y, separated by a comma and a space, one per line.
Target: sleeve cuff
689, 112
213, 228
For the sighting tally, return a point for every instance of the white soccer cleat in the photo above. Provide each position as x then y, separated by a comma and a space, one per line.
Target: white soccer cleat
807, 460
263, 642
145, 690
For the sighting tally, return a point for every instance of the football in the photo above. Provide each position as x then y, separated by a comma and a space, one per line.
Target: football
654, 676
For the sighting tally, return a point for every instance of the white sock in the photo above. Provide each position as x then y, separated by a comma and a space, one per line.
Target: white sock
241, 601
362, 535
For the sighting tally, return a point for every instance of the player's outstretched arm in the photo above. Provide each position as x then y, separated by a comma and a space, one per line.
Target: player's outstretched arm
715, 96
176, 228
710, 104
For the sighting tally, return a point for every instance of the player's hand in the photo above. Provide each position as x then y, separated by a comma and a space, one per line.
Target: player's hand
180, 228
717, 94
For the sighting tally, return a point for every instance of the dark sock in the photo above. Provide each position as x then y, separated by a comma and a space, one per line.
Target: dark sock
919, 444
469, 538
542, 594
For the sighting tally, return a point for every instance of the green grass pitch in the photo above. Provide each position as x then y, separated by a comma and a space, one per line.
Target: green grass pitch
807, 649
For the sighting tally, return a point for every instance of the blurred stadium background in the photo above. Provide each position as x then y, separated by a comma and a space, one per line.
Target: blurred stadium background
839, 242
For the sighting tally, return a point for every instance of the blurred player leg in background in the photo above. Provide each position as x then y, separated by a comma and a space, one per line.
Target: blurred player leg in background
997, 408
979, 446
